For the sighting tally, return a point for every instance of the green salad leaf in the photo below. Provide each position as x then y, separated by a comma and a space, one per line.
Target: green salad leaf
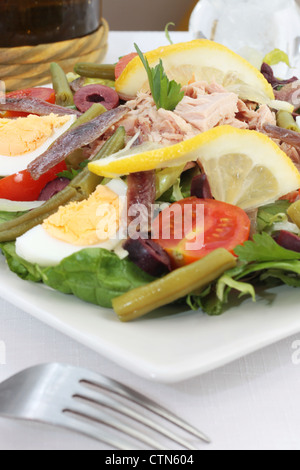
7, 216
25, 270
260, 261
71, 174
96, 276
264, 248
272, 213
93, 274
166, 94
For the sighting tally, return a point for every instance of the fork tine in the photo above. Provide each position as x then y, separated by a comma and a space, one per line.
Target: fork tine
91, 430
111, 403
141, 400
94, 415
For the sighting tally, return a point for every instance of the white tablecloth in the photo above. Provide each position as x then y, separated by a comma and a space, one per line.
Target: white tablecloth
250, 404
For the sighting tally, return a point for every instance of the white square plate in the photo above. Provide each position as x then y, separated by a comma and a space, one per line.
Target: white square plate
165, 348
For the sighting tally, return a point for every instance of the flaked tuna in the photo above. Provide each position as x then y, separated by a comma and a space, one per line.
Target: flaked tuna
203, 107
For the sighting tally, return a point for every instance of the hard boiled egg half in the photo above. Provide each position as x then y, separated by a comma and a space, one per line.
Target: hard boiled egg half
22, 140
95, 222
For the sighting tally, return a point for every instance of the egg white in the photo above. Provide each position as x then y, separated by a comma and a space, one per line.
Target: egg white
11, 165
38, 247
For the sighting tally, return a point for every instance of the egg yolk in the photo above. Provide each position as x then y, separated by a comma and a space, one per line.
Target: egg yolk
23, 135
88, 222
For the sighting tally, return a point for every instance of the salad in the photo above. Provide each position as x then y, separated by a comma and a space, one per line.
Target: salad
170, 177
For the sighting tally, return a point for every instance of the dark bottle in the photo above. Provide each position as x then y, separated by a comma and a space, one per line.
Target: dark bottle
32, 22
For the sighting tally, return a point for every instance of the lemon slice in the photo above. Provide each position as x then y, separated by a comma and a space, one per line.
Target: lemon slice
244, 168
201, 59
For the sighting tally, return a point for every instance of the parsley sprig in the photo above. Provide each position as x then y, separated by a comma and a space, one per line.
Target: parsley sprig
166, 94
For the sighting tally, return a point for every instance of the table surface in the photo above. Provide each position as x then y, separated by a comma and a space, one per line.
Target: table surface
252, 403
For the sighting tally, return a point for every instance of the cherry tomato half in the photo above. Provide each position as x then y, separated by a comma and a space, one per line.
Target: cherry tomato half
192, 228
123, 62
22, 187
45, 94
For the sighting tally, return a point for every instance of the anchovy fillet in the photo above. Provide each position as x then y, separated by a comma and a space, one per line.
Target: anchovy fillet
285, 135
36, 106
74, 139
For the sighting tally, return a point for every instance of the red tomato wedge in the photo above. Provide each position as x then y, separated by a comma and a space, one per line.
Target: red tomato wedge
192, 228
123, 62
22, 187
45, 94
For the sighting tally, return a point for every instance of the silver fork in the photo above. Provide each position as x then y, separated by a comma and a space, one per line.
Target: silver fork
80, 400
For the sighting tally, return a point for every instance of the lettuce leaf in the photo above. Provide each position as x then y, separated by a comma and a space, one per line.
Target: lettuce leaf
96, 276
25, 270
93, 275
7, 216
270, 214
260, 261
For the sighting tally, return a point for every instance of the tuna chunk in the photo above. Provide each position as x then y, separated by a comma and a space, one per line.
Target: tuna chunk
156, 125
208, 111
255, 119
203, 107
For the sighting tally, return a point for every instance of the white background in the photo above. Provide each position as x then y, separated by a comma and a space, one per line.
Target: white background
253, 403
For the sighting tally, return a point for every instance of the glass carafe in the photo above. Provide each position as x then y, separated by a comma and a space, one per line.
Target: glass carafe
32, 22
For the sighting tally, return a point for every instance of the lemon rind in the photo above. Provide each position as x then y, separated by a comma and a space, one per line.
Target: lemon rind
125, 81
158, 158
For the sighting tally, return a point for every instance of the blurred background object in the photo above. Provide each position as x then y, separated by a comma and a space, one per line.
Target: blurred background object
32, 22
252, 28
139, 15
34, 33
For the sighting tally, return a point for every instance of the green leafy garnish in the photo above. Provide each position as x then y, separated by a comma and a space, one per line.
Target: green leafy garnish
71, 174
167, 32
275, 57
272, 213
260, 262
264, 248
166, 94
242, 287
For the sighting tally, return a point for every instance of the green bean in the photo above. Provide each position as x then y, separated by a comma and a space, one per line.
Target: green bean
294, 213
86, 69
176, 285
113, 145
95, 110
63, 93
15, 228
166, 178
76, 157
79, 189
285, 120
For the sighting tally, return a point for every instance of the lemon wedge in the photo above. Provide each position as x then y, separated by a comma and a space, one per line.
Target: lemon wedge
201, 59
244, 168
